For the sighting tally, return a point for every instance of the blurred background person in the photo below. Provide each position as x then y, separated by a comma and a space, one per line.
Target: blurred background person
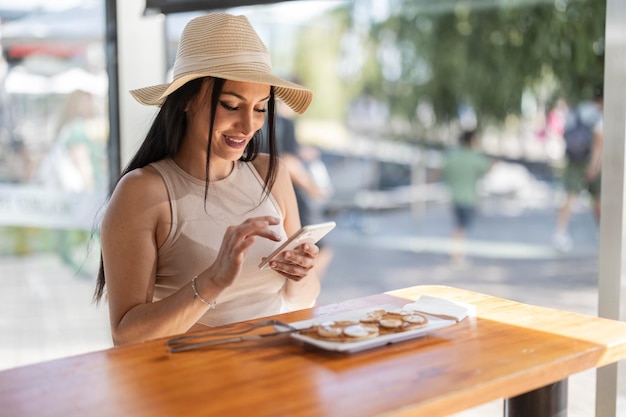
76, 160
583, 137
555, 123
308, 175
552, 134
464, 166
76, 163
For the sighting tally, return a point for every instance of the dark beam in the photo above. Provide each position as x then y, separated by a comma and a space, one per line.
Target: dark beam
178, 6
113, 148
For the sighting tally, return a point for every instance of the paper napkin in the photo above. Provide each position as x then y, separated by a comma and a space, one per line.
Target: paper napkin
437, 305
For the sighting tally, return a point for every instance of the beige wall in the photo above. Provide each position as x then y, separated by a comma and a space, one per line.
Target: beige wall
141, 62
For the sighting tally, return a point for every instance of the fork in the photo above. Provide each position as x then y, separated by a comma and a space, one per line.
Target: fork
178, 344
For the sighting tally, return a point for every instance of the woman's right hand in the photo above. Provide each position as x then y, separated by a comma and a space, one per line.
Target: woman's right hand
234, 248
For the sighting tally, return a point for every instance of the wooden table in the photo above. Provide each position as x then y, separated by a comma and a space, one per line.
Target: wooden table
507, 350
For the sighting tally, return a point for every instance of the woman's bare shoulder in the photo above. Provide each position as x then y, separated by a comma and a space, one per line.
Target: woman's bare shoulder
262, 163
282, 191
138, 190
141, 181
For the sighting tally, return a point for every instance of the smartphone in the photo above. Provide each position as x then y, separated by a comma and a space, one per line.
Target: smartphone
307, 234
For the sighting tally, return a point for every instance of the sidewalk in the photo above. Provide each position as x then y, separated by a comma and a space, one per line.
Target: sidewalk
511, 257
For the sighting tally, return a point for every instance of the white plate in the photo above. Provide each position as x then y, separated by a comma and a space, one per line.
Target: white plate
348, 347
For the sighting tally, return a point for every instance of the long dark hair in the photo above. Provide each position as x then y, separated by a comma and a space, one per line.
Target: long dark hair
167, 132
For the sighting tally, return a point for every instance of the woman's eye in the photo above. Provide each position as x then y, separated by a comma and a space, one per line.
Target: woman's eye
235, 108
227, 107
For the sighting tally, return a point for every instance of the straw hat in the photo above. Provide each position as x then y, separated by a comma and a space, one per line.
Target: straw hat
224, 46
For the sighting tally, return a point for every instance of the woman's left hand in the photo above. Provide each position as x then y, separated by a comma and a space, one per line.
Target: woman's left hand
296, 264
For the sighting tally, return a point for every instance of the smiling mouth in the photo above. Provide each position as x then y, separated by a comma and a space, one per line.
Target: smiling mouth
235, 142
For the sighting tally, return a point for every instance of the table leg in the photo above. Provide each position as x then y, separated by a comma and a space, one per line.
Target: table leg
548, 401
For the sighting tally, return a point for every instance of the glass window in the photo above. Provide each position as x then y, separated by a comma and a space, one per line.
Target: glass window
53, 178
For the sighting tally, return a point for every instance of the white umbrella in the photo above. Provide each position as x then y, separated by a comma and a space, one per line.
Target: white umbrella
79, 79
20, 81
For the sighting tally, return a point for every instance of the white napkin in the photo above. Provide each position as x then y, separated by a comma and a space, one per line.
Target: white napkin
437, 305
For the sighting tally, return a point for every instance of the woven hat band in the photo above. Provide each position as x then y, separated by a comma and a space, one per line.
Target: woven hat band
203, 63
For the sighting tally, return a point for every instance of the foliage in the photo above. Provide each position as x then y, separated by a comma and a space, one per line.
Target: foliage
318, 70
485, 57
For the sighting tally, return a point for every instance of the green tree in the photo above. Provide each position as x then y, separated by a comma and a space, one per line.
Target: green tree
486, 57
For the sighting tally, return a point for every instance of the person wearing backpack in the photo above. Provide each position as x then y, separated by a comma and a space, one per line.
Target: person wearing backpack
583, 152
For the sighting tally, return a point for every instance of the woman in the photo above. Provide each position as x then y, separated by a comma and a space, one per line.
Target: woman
198, 207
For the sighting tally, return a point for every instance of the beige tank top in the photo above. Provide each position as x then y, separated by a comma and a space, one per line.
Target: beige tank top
196, 236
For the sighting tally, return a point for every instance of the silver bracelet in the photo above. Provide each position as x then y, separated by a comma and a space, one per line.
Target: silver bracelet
197, 295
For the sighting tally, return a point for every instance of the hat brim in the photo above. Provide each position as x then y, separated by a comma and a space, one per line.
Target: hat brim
297, 97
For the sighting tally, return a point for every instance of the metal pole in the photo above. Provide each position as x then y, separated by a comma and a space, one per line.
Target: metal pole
113, 146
